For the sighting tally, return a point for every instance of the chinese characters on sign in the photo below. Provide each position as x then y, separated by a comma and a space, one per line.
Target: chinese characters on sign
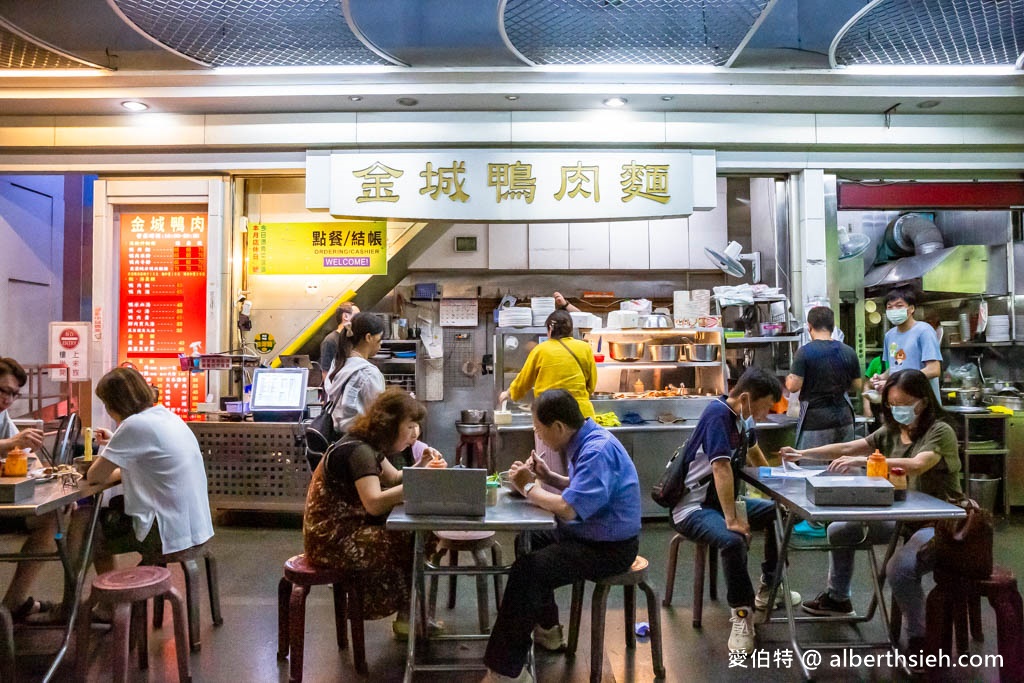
523, 186
322, 248
69, 345
162, 302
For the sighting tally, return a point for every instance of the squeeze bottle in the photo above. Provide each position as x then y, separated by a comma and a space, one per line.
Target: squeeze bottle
877, 466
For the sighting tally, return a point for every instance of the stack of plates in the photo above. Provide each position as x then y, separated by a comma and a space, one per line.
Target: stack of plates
514, 317
541, 307
998, 328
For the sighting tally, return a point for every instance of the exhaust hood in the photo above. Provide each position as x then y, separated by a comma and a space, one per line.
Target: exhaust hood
964, 269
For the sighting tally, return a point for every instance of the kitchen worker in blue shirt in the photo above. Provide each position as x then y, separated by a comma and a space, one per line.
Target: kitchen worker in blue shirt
910, 344
725, 442
598, 534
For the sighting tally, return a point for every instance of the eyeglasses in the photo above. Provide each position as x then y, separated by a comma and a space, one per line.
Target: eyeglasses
12, 394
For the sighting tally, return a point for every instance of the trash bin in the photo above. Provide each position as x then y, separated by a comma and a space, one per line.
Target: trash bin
984, 488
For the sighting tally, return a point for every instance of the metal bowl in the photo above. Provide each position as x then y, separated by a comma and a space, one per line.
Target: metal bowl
702, 353
472, 429
472, 416
626, 351
661, 353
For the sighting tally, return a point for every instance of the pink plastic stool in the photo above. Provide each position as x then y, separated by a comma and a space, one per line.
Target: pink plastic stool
126, 592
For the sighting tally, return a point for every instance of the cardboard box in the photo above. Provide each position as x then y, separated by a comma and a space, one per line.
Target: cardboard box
16, 489
849, 490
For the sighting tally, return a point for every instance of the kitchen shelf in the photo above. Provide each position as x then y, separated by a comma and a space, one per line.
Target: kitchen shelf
987, 451
662, 331
981, 345
756, 341
387, 361
653, 365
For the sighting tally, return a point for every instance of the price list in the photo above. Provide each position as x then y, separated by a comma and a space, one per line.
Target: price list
162, 309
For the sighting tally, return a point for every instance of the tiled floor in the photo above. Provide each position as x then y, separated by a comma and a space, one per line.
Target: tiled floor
251, 550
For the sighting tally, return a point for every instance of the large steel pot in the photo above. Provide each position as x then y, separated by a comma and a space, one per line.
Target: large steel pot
702, 353
626, 351
968, 397
662, 353
1011, 402
473, 417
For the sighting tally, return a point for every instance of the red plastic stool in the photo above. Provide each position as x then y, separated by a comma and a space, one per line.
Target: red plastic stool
126, 591
472, 450
299, 577
700, 552
189, 560
954, 605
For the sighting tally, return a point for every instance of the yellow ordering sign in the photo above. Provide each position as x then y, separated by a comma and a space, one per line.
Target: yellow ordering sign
340, 247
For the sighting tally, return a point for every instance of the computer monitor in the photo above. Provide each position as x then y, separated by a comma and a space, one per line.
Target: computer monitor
278, 391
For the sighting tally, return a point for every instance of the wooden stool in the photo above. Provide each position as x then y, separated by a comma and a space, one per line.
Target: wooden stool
700, 552
126, 591
472, 450
299, 577
954, 605
636, 576
476, 543
189, 560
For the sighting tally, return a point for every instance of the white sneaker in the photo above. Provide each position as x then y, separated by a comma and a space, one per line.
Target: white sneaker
495, 677
742, 635
550, 639
763, 589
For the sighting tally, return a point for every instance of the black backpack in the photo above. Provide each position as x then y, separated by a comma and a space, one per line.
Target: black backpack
671, 486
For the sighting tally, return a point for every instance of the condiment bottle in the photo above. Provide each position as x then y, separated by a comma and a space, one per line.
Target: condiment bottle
638, 387
87, 454
741, 510
898, 479
16, 464
877, 466
492, 492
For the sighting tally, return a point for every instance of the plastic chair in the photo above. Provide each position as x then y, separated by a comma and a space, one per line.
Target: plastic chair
189, 560
700, 552
477, 543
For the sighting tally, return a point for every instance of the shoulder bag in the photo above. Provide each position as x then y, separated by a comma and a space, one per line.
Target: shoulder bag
586, 377
671, 486
963, 547
320, 432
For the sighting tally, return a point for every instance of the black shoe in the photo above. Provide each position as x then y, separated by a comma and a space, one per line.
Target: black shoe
825, 606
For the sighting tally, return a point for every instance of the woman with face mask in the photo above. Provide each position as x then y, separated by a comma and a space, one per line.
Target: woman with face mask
914, 436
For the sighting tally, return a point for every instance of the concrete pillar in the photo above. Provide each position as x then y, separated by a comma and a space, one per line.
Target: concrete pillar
814, 252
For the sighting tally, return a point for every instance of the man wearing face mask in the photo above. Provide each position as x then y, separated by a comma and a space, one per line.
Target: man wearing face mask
722, 443
916, 438
909, 344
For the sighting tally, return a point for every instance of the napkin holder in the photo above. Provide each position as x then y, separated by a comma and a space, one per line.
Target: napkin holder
15, 489
855, 490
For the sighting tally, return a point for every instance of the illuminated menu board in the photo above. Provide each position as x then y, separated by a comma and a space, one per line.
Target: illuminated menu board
162, 302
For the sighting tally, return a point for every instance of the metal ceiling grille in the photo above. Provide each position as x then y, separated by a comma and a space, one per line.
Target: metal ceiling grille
934, 33
251, 32
634, 32
18, 53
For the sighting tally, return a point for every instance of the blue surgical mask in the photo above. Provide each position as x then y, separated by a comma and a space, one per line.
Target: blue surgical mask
905, 415
748, 421
896, 316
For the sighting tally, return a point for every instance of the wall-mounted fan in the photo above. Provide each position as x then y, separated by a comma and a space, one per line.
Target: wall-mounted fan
730, 261
851, 244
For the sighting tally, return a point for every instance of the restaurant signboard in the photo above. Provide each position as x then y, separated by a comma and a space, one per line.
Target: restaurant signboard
318, 248
484, 185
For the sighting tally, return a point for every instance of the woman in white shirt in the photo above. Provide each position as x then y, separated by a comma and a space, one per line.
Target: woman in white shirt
157, 458
356, 382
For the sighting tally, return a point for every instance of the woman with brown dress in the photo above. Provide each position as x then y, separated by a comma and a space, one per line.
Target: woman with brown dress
351, 493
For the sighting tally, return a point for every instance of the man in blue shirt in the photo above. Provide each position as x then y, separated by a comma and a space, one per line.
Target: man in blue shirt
598, 534
707, 513
909, 344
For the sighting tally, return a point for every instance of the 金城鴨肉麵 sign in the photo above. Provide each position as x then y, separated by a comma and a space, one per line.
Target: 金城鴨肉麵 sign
522, 186
320, 248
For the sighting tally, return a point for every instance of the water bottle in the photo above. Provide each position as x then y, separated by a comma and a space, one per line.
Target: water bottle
741, 510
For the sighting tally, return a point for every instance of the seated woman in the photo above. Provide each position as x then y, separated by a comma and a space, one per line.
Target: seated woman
915, 437
350, 496
157, 457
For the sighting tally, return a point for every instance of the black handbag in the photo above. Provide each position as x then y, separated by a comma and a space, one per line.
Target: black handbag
671, 486
320, 432
963, 547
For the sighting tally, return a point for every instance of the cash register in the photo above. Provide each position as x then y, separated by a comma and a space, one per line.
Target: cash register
278, 394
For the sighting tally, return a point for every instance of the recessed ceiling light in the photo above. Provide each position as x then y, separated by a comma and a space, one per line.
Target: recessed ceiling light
511, 98
929, 104
356, 98
407, 101
667, 98
132, 105
615, 102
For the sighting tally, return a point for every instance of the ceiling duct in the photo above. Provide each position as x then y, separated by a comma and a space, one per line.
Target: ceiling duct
964, 269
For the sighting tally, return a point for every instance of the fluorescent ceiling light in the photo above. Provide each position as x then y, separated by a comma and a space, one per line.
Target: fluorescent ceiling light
616, 102
135, 105
920, 70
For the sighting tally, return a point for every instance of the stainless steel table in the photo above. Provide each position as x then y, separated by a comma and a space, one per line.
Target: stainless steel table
790, 496
52, 498
512, 513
